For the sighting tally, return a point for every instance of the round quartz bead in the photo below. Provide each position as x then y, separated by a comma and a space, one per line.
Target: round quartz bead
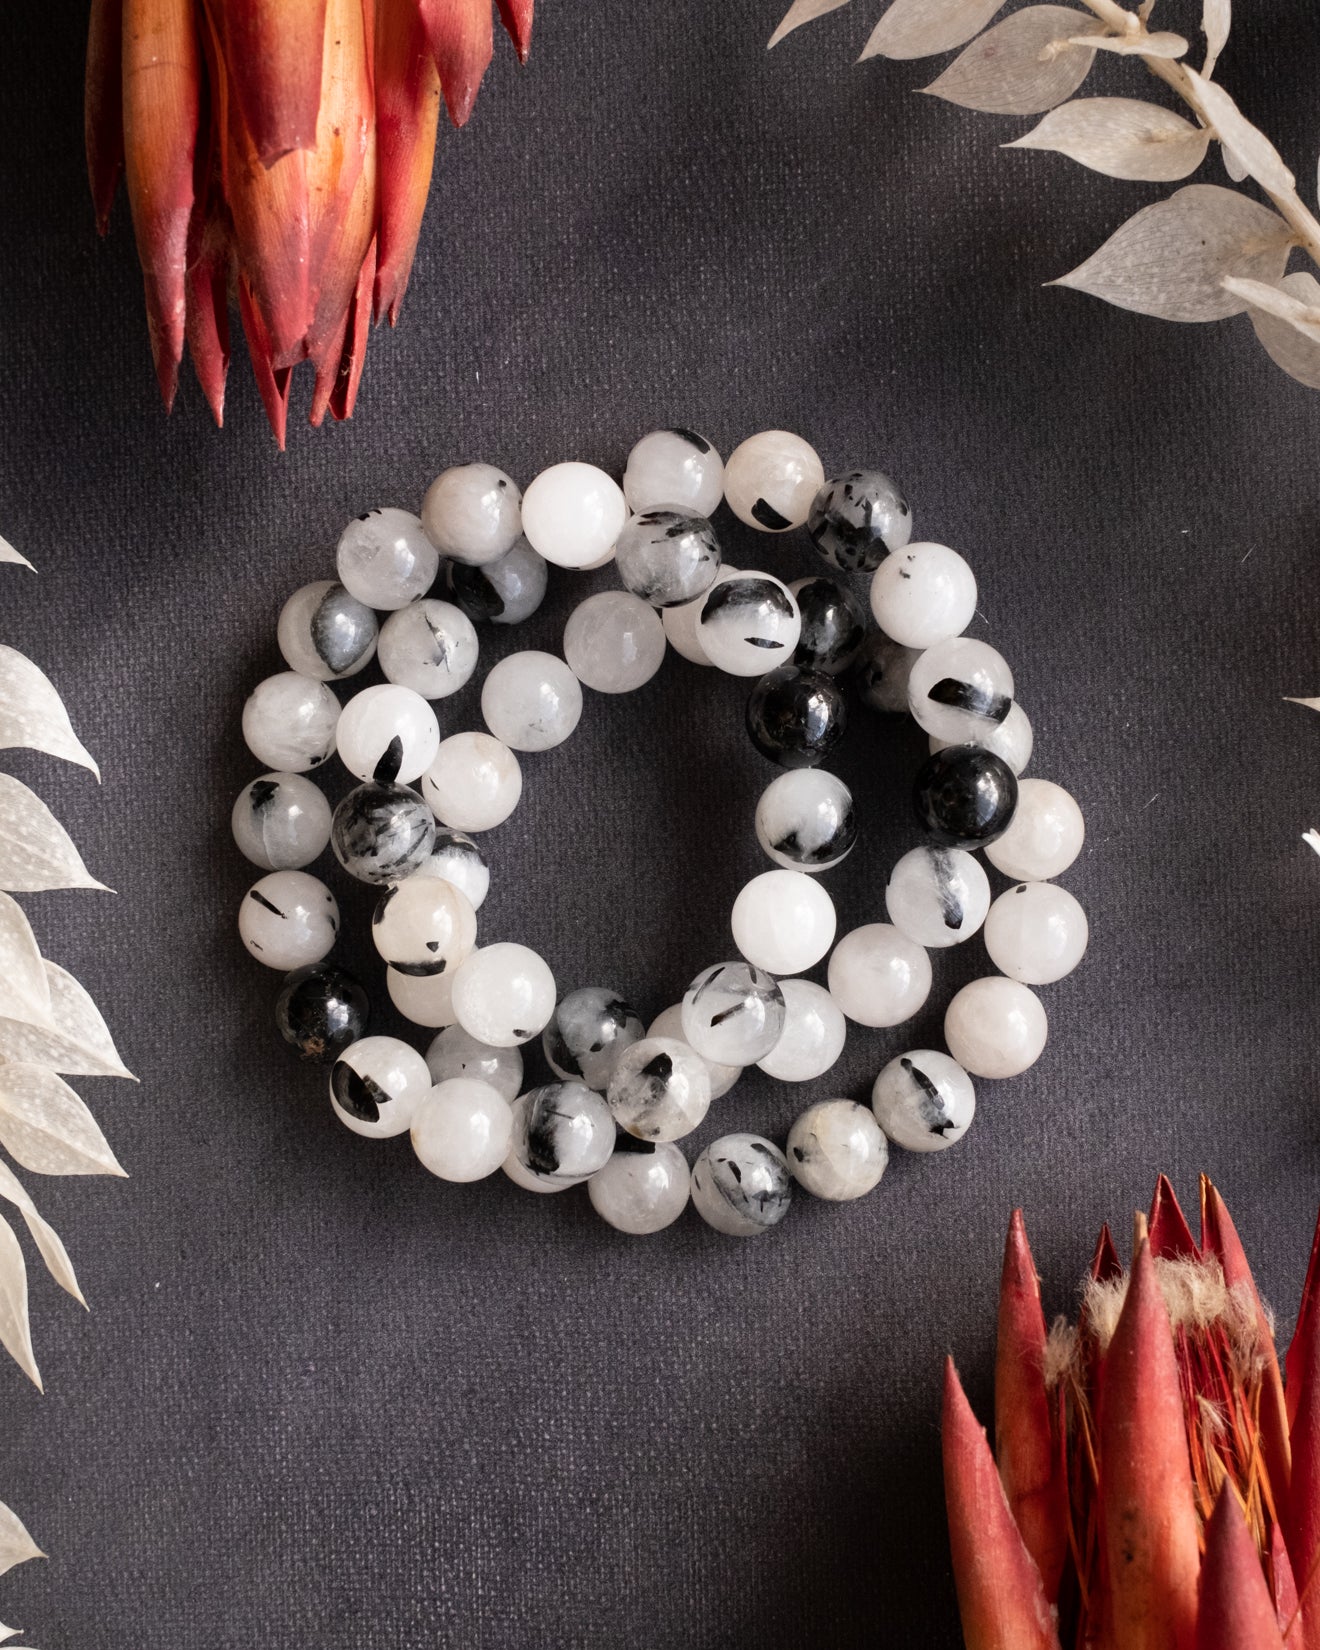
457, 1053
805, 820
670, 1024
456, 858
376, 1085
462, 1130
430, 647
741, 1185
878, 976
666, 558
674, 470
733, 1014
681, 624
1045, 837
660, 1089
504, 994
937, 896
386, 560
425, 999
959, 688
573, 514
924, 1101
641, 1191
882, 673
813, 1036
382, 833
614, 642
529, 1182
1011, 739
506, 591
924, 595
995, 1027
562, 1133
796, 717
424, 926
836, 1151
588, 1031
388, 734
474, 783
748, 624
321, 1010
289, 722
281, 821
857, 519
472, 513
325, 633
783, 922
1036, 933
833, 625
288, 920
771, 479
964, 797
531, 701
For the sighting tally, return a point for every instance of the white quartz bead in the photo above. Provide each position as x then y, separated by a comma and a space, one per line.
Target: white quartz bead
960, 688
666, 558
995, 1027
1045, 837
741, 1185
288, 920
326, 633
462, 1130
1012, 739
586, 1034
659, 1089
670, 1024
733, 1013
674, 470
504, 994
430, 647
614, 642
805, 820
836, 1150
771, 479
923, 594
474, 783
532, 701
457, 1053
572, 514
937, 896
456, 858
281, 821
641, 1191
813, 1036
878, 976
472, 513
425, 999
386, 560
562, 1133
523, 1177
1036, 933
376, 1085
783, 922
502, 592
424, 926
289, 722
681, 625
748, 624
924, 1101
388, 734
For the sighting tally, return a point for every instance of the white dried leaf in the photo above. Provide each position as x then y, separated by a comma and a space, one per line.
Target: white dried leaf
921, 28
1022, 66
77, 1042
1171, 258
1141, 45
1292, 349
1121, 137
1310, 704
46, 1238
1251, 148
8, 553
16, 1546
1232, 165
16, 1338
1312, 839
32, 714
1216, 20
24, 983
1279, 302
800, 12
36, 852
47, 1128
9, 1633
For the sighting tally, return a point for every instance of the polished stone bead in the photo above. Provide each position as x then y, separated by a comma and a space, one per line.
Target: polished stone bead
813, 1036
856, 519
474, 783
457, 1053
430, 647
289, 722
771, 479
325, 633
748, 624
667, 558
281, 821
923, 595
472, 513
462, 1130
674, 470
783, 922
456, 858
641, 1191
382, 833
562, 1133
376, 1085
423, 926
995, 1027
506, 591
386, 560
388, 734
587, 1032
959, 689
573, 514
964, 796
321, 1010
1036, 933
937, 896
504, 994
878, 976
531, 701
425, 999
288, 920
1045, 837
1012, 739
836, 1151
924, 1101
882, 672
670, 1024
614, 642
733, 1013
659, 1089
741, 1185
796, 717
833, 625
805, 820
681, 624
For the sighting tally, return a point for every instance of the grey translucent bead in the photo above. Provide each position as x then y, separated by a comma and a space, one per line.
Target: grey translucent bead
586, 1034
472, 513
667, 558
506, 591
836, 1150
749, 624
457, 1053
382, 833
805, 820
674, 470
857, 519
376, 1086
937, 896
881, 673
281, 821
741, 1185
386, 560
641, 1191
614, 642
388, 733
430, 647
670, 1024
960, 688
660, 1089
326, 633
733, 1013
924, 1101
288, 920
531, 701
289, 722
562, 1133
456, 858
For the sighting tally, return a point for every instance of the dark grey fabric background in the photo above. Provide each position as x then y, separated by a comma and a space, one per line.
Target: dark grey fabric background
324, 1400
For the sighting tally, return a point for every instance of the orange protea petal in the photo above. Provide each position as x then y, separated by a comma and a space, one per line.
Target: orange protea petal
462, 43
355, 343
407, 114
516, 15
1170, 1235
1236, 1610
103, 105
273, 49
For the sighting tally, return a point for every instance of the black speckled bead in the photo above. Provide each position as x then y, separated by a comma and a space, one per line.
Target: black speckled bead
321, 1010
796, 717
857, 519
833, 625
965, 797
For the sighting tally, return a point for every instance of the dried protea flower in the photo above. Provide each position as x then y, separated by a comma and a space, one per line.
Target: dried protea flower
279, 152
1153, 1484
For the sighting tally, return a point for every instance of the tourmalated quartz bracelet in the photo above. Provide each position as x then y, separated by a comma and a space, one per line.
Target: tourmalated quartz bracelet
626, 1093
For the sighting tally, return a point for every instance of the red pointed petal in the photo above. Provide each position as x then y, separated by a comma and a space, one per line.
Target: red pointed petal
1284, 1591
1236, 1610
273, 49
1105, 1264
407, 114
1298, 1351
344, 398
208, 316
103, 105
516, 15
273, 382
1302, 1517
462, 43
1170, 1235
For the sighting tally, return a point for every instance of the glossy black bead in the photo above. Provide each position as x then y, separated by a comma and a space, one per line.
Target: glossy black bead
321, 1010
833, 625
796, 717
965, 797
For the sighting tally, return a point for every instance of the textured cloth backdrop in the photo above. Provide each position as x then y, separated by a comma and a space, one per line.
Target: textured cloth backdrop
323, 1399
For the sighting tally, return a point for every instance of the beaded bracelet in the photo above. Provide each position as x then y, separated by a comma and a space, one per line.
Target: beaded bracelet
626, 1094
